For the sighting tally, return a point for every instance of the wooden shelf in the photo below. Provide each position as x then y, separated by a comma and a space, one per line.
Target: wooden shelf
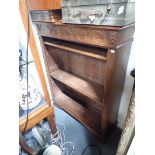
93, 52
91, 90
79, 112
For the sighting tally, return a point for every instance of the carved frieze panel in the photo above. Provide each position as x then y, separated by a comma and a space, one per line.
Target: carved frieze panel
87, 35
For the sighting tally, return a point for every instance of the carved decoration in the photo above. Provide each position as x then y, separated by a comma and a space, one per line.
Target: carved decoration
97, 36
64, 33
54, 30
80, 35
105, 37
91, 35
113, 37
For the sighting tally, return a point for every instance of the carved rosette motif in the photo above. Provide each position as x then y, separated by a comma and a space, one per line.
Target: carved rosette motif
64, 33
97, 37
112, 37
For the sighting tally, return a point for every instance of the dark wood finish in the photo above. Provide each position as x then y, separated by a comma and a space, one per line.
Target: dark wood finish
87, 65
78, 50
114, 83
102, 36
117, 79
107, 86
91, 104
79, 112
44, 4
92, 91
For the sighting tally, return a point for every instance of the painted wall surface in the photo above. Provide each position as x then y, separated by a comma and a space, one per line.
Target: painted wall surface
128, 85
131, 150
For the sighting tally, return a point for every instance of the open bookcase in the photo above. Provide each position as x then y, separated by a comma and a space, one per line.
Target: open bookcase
86, 67
77, 75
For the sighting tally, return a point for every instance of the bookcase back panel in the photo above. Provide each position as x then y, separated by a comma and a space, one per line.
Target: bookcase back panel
85, 67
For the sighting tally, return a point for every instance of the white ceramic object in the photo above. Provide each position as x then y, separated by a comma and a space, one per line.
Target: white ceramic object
52, 150
34, 97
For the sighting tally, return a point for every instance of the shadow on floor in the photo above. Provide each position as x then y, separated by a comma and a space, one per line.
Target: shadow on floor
81, 137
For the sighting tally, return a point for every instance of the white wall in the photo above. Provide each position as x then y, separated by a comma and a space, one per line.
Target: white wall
131, 150
128, 85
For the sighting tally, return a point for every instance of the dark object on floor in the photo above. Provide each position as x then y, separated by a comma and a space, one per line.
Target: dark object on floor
133, 73
82, 137
92, 145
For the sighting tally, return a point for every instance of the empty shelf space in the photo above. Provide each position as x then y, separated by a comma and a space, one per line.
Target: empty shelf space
91, 90
89, 51
79, 112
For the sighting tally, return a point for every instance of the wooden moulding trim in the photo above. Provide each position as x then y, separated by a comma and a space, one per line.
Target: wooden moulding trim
115, 28
35, 117
33, 113
108, 37
107, 85
34, 49
124, 43
69, 49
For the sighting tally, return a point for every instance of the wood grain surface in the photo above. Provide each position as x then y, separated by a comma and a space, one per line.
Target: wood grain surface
87, 65
79, 112
100, 36
93, 91
44, 4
